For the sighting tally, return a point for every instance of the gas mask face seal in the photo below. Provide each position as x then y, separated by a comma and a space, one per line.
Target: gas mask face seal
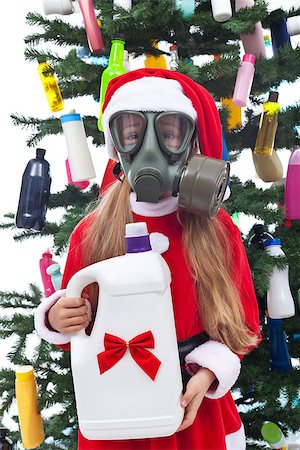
174, 132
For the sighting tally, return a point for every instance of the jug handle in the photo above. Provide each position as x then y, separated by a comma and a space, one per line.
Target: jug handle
76, 285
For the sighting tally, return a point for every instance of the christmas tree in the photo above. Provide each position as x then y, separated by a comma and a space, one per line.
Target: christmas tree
210, 53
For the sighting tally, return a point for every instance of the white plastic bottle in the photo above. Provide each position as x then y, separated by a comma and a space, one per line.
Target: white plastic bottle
280, 303
123, 401
221, 10
64, 7
80, 161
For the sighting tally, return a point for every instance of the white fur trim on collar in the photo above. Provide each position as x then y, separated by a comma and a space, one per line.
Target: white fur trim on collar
146, 94
165, 206
218, 358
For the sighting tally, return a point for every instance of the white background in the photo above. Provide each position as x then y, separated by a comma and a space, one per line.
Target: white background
22, 93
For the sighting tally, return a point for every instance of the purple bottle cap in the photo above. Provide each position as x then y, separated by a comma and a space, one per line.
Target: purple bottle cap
248, 57
137, 238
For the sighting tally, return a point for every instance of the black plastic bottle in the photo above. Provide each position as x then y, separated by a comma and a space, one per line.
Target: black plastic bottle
5, 443
34, 195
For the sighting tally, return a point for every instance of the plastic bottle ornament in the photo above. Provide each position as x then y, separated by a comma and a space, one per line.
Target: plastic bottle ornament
46, 261
273, 435
64, 7
293, 25
50, 86
280, 359
254, 42
80, 184
187, 7
115, 68
174, 57
234, 113
81, 164
221, 10
279, 35
91, 26
56, 277
265, 139
155, 62
280, 303
125, 4
34, 195
292, 187
244, 80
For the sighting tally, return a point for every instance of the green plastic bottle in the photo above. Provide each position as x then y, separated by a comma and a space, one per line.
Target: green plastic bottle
114, 69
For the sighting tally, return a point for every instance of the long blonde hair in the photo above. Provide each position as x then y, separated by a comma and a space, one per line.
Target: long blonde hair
205, 247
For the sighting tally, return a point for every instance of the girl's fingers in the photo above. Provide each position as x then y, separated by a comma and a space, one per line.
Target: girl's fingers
76, 320
74, 329
191, 412
73, 312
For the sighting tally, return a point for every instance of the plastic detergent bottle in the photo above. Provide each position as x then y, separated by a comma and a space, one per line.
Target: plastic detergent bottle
292, 187
130, 359
31, 425
46, 261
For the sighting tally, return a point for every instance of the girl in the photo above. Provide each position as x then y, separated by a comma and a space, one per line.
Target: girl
153, 120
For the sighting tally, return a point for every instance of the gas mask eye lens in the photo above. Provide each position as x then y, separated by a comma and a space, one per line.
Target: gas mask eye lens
127, 130
174, 131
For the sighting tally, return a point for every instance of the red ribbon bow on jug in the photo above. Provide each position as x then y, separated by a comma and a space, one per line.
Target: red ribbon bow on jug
115, 349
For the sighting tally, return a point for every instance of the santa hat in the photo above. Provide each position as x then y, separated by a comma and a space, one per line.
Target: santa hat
164, 90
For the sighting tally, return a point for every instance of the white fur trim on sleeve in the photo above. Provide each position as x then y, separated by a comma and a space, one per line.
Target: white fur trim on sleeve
236, 440
221, 361
54, 337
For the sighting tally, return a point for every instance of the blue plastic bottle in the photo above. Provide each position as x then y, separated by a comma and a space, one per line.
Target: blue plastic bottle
34, 195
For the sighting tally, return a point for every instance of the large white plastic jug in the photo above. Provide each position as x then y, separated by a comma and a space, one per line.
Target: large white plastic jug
128, 400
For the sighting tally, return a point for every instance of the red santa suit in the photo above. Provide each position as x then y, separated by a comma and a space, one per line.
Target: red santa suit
217, 425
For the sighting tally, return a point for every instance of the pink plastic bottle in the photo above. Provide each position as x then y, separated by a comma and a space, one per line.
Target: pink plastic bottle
253, 43
244, 79
92, 29
46, 261
292, 187
80, 184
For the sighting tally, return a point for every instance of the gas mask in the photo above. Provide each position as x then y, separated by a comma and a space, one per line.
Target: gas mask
154, 150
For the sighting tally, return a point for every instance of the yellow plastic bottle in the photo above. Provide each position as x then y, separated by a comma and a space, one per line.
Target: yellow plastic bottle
267, 127
155, 62
31, 425
235, 113
51, 87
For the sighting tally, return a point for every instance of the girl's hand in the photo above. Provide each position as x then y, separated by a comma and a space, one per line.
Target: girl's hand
196, 388
69, 315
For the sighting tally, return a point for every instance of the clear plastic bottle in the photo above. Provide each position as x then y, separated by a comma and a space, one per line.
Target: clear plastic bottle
114, 69
265, 139
280, 303
31, 424
34, 195
244, 80
174, 58
51, 87
5, 442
